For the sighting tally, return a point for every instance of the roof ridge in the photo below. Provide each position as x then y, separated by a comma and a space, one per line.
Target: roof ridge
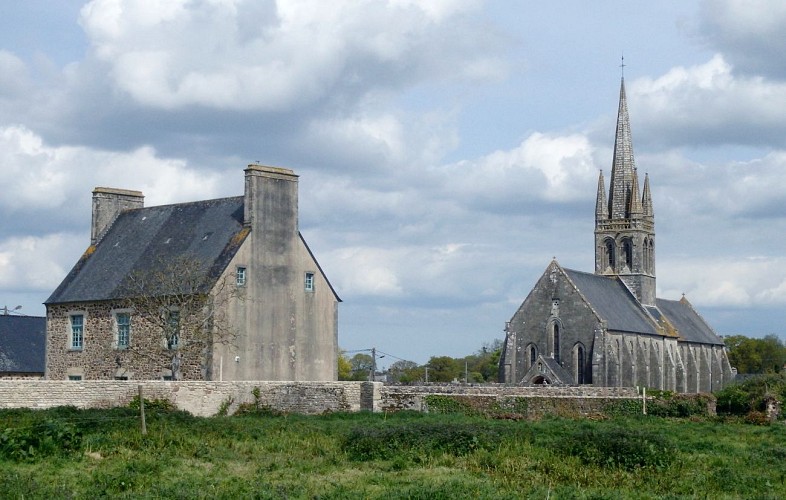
195, 202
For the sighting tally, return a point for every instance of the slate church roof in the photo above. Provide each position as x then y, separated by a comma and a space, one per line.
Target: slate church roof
611, 299
145, 240
22, 344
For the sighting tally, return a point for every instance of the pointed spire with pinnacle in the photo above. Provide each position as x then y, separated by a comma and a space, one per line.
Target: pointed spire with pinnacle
635, 208
646, 197
623, 167
601, 209
625, 228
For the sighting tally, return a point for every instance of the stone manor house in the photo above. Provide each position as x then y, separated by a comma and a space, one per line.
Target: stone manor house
608, 328
223, 289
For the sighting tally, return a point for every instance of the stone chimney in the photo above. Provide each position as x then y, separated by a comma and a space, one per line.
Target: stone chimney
271, 202
107, 205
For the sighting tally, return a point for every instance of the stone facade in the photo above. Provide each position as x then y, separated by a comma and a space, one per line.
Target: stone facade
101, 358
268, 312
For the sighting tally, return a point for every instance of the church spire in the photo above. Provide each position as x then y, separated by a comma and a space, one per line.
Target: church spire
601, 209
624, 223
623, 166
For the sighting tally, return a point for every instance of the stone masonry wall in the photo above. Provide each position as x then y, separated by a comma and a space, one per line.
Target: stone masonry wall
541, 400
205, 398
100, 358
197, 397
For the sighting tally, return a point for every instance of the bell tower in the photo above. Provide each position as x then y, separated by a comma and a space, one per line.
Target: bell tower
625, 222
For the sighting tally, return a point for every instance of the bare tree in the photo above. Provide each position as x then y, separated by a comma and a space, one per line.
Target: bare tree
180, 308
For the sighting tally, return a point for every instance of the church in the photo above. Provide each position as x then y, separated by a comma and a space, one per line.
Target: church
607, 328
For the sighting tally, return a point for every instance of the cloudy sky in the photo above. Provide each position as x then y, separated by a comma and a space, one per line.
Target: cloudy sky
447, 149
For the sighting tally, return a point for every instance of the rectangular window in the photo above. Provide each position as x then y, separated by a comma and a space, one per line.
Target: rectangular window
77, 331
75, 377
123, 321
309, 283
173, 330
241, 276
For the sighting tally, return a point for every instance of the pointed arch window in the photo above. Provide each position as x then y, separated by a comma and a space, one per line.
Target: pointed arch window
579, 366
627, 252
532, 355
651, 255
611, 251
555, 333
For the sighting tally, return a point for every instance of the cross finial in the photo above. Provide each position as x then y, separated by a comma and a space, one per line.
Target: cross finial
622, 65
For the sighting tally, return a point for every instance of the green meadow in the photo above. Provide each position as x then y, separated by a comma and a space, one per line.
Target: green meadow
71, 453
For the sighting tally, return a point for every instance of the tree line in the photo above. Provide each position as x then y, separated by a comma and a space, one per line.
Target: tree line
479, 367
747, 355
750, 355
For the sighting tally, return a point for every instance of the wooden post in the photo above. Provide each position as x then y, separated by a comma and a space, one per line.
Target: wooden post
142, 410
644, 400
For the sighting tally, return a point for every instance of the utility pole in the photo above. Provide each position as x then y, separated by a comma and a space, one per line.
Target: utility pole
372, 376
426, 374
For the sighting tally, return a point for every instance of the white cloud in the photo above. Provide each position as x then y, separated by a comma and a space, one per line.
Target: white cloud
544, 167
39, 176
709, 104
279, 55
746, 282
36, 262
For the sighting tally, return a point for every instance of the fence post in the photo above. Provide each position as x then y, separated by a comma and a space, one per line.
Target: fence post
644, 400
142, 410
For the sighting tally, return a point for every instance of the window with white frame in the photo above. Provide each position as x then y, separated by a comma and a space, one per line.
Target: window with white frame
77, 331
123, 329
309, 282
173, 329
240, 276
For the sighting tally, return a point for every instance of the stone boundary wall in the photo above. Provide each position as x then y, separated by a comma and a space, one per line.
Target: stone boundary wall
208, 398
196, 397
540, 399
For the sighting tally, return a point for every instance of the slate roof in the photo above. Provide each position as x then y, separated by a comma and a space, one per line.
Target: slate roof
612, 300
22, 344
208, 233
689, 325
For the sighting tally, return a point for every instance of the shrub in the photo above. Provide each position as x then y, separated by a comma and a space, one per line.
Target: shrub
437, 403
162, 405
49, 437
418, 439
757, 418
751, 394
622, 408
671, 404
734, 400
619, 447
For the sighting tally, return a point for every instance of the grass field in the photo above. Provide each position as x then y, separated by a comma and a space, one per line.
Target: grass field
69, 453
